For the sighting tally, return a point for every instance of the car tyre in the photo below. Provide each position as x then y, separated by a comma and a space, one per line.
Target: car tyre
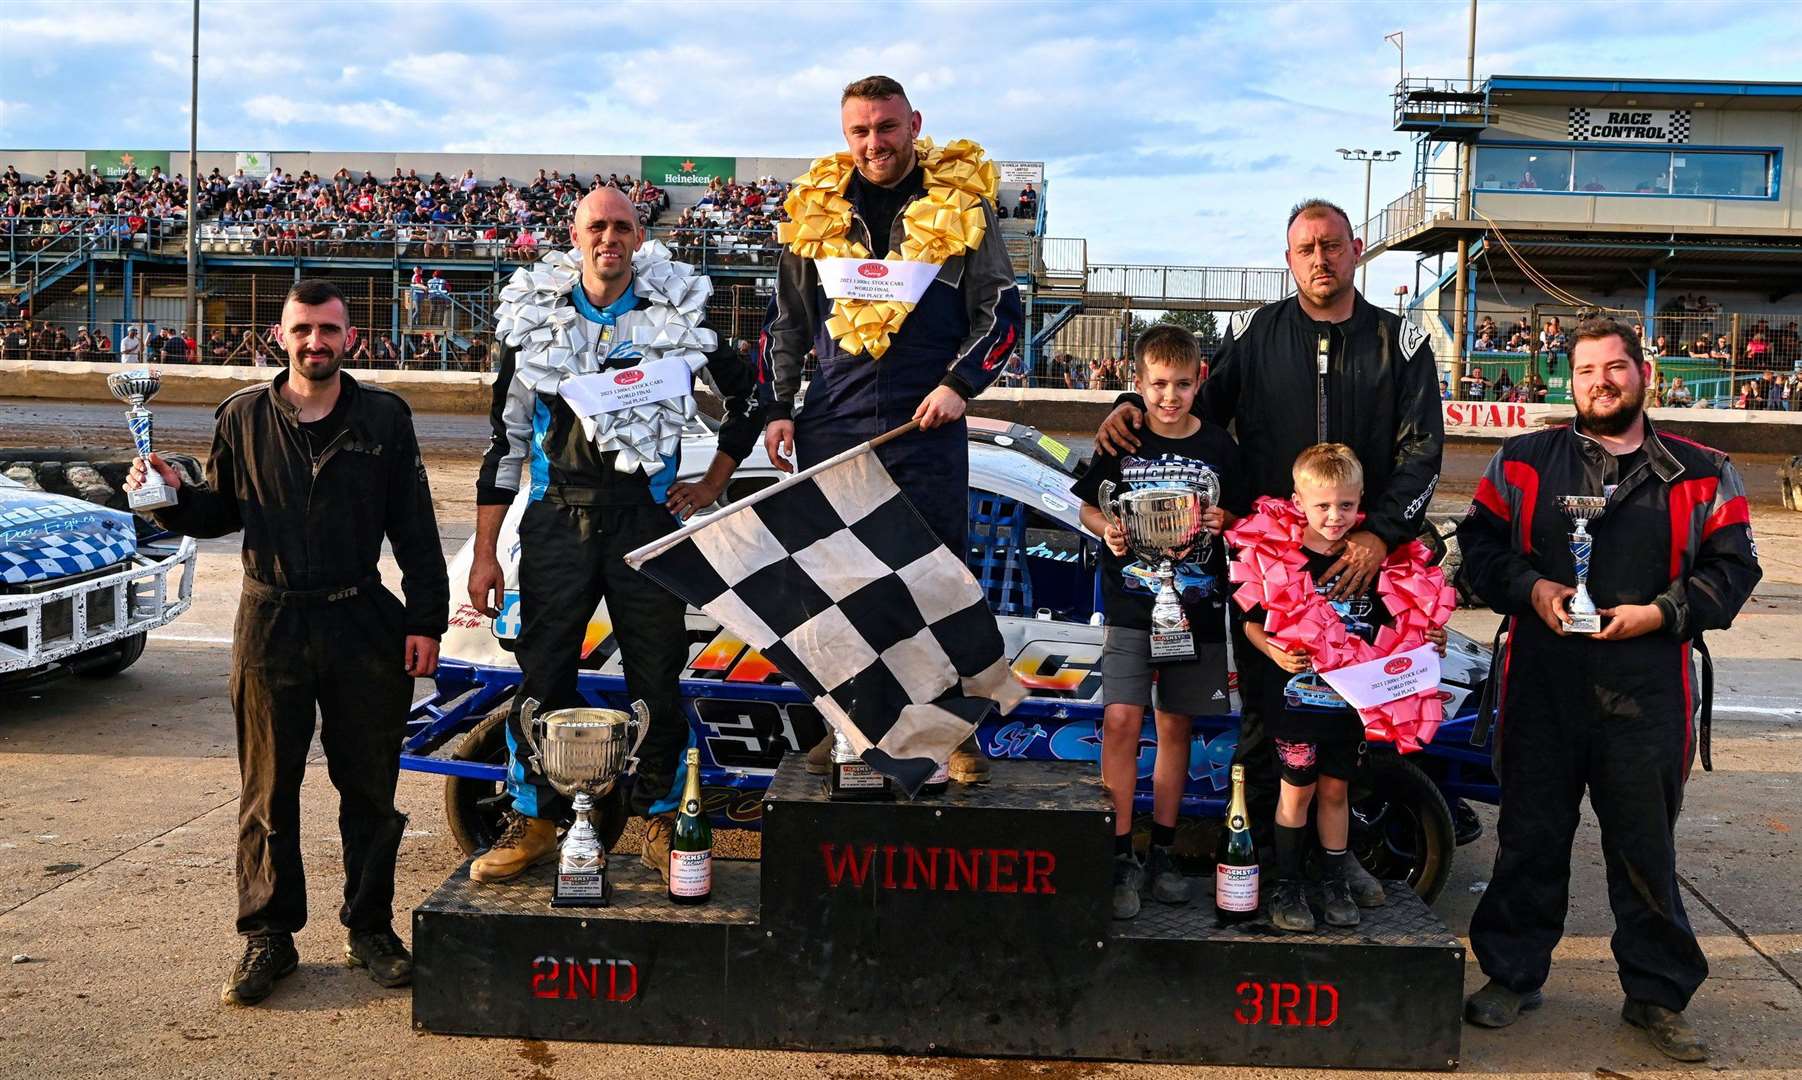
1401, 827
125, 653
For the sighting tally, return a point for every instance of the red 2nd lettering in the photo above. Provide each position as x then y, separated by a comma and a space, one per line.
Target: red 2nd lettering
569, 978
1287, 1004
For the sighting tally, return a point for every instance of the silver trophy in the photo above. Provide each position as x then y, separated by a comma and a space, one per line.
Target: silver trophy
583, 753
1162, 523
1582, 509
135, 388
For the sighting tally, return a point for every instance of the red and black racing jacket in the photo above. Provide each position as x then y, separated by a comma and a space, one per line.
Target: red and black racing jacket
1676, 533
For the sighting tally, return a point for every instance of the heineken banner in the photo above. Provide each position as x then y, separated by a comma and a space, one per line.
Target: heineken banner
114, 164
687, 171
1596, 124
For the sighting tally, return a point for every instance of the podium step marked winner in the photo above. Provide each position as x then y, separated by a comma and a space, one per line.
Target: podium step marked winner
976, 923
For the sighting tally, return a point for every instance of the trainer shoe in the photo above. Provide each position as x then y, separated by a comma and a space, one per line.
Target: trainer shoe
819, 759
267, 957
1667, 1030
381, 952
657, 835
524, 843
1365, 888
1496, 1006
968, 765
1168, 885
1336, 903
1129, 877
1289, 908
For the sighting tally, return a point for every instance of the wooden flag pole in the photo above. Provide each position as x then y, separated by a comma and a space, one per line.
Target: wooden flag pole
890, 436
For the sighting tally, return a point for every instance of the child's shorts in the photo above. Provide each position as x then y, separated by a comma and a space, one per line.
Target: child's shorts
1304, 762
1192, 687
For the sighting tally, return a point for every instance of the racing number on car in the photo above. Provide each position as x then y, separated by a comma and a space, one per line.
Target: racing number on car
755, 734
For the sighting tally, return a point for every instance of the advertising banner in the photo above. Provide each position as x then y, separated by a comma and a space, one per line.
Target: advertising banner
115, 164
254, 162
1021, 172
687, 171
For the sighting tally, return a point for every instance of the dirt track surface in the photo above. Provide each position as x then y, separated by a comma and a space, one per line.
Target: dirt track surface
118, 822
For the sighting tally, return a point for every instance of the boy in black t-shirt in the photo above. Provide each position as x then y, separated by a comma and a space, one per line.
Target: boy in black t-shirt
1176, 449
1319, 738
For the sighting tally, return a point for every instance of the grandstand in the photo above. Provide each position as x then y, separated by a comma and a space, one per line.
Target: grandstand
421, 243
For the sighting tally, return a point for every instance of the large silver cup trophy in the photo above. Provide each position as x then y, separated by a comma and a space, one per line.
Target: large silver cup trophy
136, 387
583, 753
1162, 523
1582, 509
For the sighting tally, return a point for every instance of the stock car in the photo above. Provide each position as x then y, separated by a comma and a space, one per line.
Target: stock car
1039, 568
81, 585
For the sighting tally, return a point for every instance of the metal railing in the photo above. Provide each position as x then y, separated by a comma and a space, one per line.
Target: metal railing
1410, 213
1427, 104
1149, 284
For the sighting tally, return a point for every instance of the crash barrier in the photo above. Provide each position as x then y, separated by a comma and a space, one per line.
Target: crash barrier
1733, 430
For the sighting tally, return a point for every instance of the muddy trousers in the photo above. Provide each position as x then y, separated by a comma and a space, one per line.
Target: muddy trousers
342, 660
1559, 735
570, 559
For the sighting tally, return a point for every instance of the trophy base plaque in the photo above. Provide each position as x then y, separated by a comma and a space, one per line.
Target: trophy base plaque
1583, 623
856, 781
584, 888
1172, 645
153, 495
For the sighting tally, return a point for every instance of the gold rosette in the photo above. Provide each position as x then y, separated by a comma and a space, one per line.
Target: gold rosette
865, 326
945, 223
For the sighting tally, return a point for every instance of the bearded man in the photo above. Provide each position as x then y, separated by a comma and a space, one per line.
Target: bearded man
317, 469
1610, 711
600, 485
949, 347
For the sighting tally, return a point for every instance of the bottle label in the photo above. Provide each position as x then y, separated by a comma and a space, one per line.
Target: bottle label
1236, 888
691, 873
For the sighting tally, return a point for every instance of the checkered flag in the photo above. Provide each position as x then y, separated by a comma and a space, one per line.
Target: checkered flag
1579, 124
1679, 132
836, 579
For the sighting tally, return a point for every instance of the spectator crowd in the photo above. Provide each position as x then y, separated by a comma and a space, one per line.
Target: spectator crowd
35, 214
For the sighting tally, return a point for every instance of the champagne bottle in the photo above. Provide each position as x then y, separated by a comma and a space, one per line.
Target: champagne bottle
1236, 861
939, 782
691, 848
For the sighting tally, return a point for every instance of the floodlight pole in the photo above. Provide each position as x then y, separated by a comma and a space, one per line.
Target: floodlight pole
189, 310
1369, 158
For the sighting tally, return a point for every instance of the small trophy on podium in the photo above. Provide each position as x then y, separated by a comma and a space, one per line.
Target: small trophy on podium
1582, 509
135, 388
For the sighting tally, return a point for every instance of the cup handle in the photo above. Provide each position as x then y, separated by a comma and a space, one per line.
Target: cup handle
528, 715
642, 714
1105, 502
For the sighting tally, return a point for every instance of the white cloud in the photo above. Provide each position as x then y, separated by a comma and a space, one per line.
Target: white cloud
380, 117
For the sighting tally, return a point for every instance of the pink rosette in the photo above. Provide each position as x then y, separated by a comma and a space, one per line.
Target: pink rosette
1268, 568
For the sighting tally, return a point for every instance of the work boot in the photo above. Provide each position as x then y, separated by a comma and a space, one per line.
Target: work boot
1466, 825
657, 835
819, 759
968, 765
1365, 888
1668, 1031
1496, 1006
381, 952
1289, 908
524, 843
1168, 885
1336, 903
1129, 876
267, 957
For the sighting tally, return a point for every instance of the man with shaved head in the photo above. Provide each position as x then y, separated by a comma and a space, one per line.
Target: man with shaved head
594, 490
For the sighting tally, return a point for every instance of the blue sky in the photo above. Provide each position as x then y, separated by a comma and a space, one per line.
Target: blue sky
1172, 133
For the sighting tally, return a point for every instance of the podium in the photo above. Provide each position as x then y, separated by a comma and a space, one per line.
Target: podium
975, 923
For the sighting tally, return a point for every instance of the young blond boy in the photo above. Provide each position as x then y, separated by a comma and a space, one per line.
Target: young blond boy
1177, 449
1319, 745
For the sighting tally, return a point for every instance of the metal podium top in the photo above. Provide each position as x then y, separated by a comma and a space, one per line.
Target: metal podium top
1013, 785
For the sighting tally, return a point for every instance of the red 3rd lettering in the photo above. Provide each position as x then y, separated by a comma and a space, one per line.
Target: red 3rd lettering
569, 978
1287, 1004
907, 867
